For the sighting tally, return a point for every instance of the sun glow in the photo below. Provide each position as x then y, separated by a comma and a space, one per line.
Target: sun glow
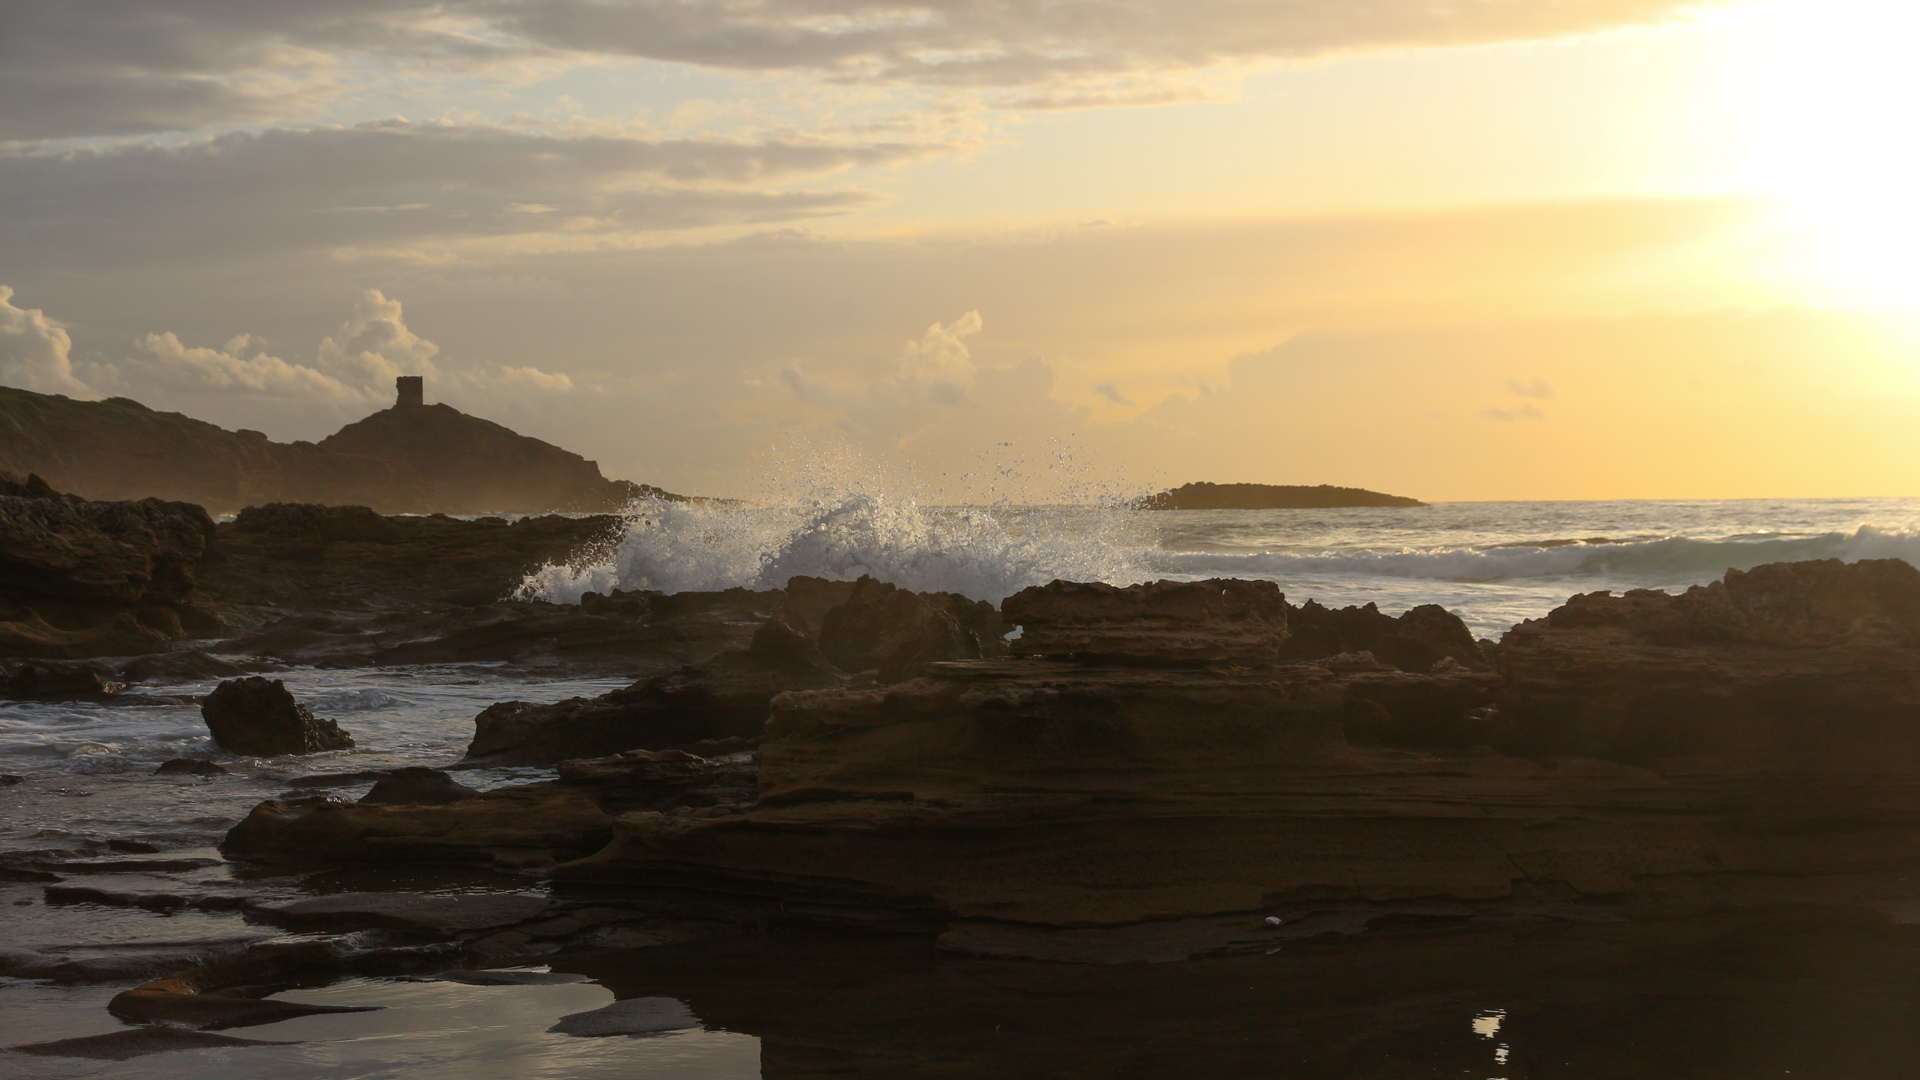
1831, 111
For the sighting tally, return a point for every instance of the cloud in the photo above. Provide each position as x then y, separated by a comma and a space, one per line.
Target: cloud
351, 373
1526, 411
116, 67
391, 182
942, 353
35, 351
1112, 393
1537, 389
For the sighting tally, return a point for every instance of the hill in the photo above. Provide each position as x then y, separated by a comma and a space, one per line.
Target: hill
1205, 496
410, 459
476, 466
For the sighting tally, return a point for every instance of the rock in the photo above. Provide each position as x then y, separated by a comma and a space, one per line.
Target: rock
439, 915
81, 579
73, 965
8, 779
138, 1042
634, 1016
1220, 621
725, 696
881, 627
1416, 641
417, 786
258, 717
663, 779
63, 547
44, 680
1810, 667
312, 523
215, 995
807, 600
514, 828
182, 766
1754, 735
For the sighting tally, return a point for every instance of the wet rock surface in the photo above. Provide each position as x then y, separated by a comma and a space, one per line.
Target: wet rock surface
1808, 668
725, 696
1183, 623
258, 716
81, 578
417, 786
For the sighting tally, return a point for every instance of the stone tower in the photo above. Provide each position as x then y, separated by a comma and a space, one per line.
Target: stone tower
412, 388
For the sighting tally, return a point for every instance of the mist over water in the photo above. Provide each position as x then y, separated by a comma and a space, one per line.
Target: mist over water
1494, 564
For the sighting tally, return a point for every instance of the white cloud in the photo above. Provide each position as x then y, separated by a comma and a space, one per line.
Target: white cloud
36, 352
1112, 393
243, 384
1537, 389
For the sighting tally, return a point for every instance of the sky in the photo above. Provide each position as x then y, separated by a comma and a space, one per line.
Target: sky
1043, 249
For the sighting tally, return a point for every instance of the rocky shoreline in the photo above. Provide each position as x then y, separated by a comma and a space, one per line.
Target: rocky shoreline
1087, 774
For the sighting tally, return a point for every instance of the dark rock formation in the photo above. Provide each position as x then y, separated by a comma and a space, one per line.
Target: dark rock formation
1415, 641
1808, 666
42, 680
1166, 623
1752, 739
527, 827
258, 716
883, 628
417, 786
475, 466
1205, 496
808, 599
80, 578
724, 696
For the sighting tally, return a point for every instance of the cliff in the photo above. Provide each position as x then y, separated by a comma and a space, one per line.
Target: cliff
1205, 496
409, 459
119, 449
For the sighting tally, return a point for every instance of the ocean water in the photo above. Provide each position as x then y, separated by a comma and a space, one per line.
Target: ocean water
1492, 563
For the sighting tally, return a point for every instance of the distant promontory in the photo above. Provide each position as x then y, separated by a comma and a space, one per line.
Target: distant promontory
413, 458
1205, 496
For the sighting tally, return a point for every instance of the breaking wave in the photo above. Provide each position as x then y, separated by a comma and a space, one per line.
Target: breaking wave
989, 553
984, 553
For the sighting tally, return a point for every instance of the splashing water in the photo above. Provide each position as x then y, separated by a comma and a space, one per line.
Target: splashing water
986, 553
1494, 564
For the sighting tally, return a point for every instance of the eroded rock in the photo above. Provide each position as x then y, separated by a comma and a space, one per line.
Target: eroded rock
417, 786
259, 717
1189, 623
725, 696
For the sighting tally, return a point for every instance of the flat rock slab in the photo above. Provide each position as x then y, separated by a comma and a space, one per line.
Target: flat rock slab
512, 978
410, 911
138, 1042
634, 1016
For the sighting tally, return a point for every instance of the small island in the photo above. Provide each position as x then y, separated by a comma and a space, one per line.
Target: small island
1205, 496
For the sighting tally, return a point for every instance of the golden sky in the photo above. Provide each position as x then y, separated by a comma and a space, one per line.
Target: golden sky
1493, 249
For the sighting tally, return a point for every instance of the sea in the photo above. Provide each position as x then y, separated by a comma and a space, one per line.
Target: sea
87, 767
